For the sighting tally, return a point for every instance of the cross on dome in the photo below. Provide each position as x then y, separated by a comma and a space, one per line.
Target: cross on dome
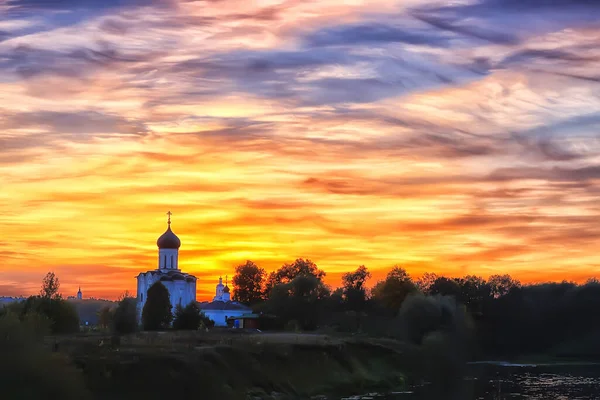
168, 240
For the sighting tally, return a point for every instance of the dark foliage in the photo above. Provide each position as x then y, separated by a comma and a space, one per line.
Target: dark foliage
288, 272
391, 292
354, 288
50, 286
552, 318
28, 370
248, 283
124, 317
105, 317
61, 314
300, 303
190, 318
157, 314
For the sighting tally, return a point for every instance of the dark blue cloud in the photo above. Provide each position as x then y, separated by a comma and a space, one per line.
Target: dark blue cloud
469, 30
375, 33
548, 54
61, 13
527, 5
28, 61
79, 123
507, 20
300, 76
79, 4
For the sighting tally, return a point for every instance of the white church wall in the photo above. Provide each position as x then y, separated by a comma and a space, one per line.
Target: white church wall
219, 316
180, 291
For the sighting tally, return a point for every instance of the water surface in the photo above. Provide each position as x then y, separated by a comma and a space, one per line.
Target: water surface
510, 381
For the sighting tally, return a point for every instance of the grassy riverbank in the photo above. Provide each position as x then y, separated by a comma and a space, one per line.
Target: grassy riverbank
234, 366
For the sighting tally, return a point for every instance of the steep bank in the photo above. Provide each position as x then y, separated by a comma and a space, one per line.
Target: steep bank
154, 366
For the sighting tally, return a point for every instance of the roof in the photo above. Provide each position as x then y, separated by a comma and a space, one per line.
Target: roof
223, 305
171, 275
168, 240
246, 316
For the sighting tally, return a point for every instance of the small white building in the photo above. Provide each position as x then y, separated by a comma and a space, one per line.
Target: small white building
181, 286
222, 307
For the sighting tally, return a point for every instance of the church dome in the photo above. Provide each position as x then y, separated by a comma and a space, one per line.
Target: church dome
168, 240
226, 290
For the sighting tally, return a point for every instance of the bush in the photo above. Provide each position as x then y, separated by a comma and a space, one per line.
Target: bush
189, 318
421, 315
124, 318
61, 314
156, 314
28, 370
106, 316
443, 330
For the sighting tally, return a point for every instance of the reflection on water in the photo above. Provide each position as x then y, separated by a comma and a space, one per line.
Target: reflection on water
503, 382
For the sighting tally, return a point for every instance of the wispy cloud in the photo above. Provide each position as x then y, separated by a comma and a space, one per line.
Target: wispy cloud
456, 139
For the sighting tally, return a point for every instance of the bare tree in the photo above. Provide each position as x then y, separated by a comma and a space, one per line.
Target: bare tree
50, 286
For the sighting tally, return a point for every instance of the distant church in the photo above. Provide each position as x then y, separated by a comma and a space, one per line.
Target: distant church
222, 308
181, 286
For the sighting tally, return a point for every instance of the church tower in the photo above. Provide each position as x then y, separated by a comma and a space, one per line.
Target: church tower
219, 291
79, 294
168, 249
226, 295
181, 286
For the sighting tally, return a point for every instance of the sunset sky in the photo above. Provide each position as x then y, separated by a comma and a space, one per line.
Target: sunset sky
449, 137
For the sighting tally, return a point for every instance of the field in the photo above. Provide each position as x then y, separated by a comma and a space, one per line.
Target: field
227, 365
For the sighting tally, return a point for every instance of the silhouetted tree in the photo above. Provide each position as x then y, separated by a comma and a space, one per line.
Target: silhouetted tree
248, 283
354, 288
500, 285
446, 287
443, 329
289, 272
125, 315
50, 286
474, 291
105, 317
392, 291
156, 314
189, 317
425, 282
62, 314
300, 300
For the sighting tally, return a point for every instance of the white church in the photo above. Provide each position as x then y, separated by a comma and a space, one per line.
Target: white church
182, 286
221, 307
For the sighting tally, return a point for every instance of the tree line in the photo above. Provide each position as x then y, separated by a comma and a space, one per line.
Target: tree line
50, 313
504, 317
499, 315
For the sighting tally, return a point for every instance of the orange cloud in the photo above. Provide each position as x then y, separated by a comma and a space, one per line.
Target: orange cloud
346, 133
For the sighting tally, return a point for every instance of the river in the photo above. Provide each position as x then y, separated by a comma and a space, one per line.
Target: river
498, 381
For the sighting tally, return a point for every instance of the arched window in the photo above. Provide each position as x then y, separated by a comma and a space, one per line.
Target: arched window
165, 261
142, 297
172, 265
